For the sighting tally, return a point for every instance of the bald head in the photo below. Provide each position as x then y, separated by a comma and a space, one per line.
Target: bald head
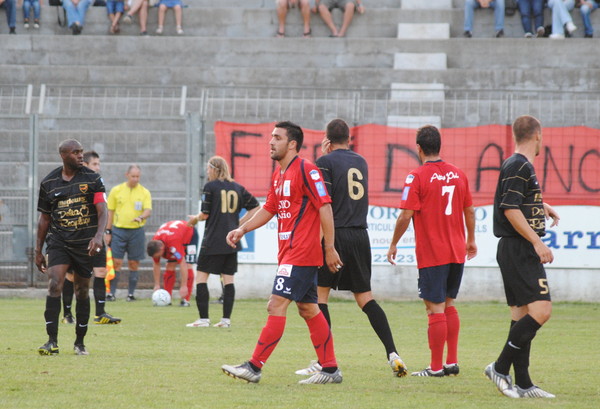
69, 145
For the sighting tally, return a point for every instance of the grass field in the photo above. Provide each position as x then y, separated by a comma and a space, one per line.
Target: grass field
152, 360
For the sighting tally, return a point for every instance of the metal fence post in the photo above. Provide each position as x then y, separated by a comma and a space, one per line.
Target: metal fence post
195, 160
31, 195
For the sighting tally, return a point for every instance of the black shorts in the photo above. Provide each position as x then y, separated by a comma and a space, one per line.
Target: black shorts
523, 274
77, 258
354, 247
440, 282
218, 263
99, 259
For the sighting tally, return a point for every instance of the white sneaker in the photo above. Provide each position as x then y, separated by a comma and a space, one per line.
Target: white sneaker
179, 30
224, 323
502, 382
243, 372
26, 25
533, 392
398, 366
200, 322
312, 369
159, 30
570, 27
556, 36
324, 377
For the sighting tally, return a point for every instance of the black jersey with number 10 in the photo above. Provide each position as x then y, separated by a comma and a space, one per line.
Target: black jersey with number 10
346, 176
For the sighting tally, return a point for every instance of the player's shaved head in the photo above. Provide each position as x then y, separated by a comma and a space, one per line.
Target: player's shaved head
69, 145
525, 128
337, 132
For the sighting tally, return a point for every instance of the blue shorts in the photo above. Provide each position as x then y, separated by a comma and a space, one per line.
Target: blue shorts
296, 283
170, 3
440, 282
113, 6
130, 241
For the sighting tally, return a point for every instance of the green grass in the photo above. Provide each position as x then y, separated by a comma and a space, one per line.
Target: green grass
152, 360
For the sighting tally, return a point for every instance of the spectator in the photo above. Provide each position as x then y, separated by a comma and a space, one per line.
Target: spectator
141, 7
129, 205
76, 10
585, 8
562, 22
497, 5
282, 8
176, 5
114, 10
27, 6
10, 6
535, 9
324, 8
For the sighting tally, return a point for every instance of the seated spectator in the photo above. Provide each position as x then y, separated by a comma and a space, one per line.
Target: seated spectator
114, 10
141, 7
585, 8
282, 8
176, 5
76, 10
535, 9
27, 6
11, 14
324, 7
562, 22
497, 5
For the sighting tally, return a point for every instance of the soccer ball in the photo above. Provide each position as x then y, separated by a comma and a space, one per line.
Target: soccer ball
161, 298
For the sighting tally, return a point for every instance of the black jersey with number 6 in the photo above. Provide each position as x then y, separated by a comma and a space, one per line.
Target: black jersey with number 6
346, 175
223, 201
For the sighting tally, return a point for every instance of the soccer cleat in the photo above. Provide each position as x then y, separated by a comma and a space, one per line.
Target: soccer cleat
201, 322
106, 318
324, 377
80, 349
398, 366
503, 382
130, 298
428, 372
224, 323
243, 372
184, 303
533, 392
49, 348
68, 319
110, 297
312, 369
451, 369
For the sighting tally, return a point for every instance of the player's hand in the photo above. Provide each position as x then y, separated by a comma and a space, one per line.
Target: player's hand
391, 255
40, 262
183, 291
192, 220
234, 236
325, 145
544, 252
471, 249
551, 213
94, 247
332, 258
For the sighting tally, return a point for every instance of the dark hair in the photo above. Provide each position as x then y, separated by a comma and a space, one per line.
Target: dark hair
429, 139
337, 131
89, 155
294, 133
153, 246
525, 127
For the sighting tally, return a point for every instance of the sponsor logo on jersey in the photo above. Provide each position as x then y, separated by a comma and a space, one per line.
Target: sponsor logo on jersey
83, 188
409, 179
321, 189
444, 178
286, 187
405, 193
287, 290
284, 270
285, 235
314, 174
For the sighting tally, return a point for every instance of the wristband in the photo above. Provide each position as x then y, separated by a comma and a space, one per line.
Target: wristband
108, 231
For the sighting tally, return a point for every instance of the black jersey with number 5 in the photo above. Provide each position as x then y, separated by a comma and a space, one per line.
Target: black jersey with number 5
346, 175
223, 201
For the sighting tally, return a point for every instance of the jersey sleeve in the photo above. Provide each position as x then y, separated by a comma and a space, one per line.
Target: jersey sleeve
44, 205
325, 167
249, 200
411, 193
147, 202
513, 186
314, 186
206, 200
111, 202
271, 203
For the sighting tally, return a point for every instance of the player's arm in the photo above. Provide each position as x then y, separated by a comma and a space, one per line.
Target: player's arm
469, 213
97, 241
183, 269
260, 218
518, 221
402, 224
249, 215
145, 214
42, 231
195, 218
156, 273
332, 258
550, 212
108, 231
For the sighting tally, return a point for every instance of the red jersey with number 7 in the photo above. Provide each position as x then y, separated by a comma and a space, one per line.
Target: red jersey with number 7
295, 196
438, 192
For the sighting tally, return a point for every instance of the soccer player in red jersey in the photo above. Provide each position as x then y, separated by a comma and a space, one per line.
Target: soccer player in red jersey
437, 199
299, 198
178, 243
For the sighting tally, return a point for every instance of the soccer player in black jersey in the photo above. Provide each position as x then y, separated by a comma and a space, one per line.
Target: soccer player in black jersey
520, 221
91, 160
346, 176
72, 206
222, 201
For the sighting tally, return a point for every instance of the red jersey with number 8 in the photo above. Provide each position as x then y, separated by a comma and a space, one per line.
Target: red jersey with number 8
438, 192
295, 196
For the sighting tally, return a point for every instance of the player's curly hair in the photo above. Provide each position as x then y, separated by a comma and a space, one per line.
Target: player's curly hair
219, 165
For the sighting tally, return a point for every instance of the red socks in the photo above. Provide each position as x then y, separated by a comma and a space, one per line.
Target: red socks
322, 340
437, 339
169, 281
268, 340
453, 325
